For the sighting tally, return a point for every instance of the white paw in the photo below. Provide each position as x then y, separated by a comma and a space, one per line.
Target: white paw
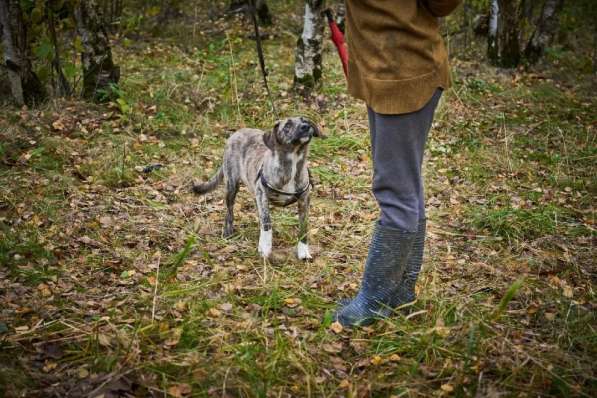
265, 243
302, 251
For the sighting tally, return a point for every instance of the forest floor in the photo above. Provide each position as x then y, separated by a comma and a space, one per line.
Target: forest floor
117, 281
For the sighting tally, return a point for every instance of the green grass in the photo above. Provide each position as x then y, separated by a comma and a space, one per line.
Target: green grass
510, 187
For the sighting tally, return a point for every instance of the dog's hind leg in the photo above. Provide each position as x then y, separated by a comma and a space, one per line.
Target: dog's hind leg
265, 222
231, 191
302, 249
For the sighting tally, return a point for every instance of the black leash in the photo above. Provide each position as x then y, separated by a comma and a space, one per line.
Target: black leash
264, 73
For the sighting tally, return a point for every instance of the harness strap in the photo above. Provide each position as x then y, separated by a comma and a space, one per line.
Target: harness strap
296, 195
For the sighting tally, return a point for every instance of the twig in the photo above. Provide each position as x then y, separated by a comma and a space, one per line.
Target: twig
470, 236
155, 288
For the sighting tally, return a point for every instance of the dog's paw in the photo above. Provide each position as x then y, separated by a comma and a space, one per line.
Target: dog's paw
302, 251
265, 243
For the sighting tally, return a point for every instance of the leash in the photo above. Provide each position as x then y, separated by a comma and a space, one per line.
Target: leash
264, 73
338, 38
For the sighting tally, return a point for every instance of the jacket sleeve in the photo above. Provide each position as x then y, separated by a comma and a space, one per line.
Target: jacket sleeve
441, 8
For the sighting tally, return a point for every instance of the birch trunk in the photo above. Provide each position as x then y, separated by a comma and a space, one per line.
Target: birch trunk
25, 86
504, 38
545, 31
307, 67
99, 70
492, 51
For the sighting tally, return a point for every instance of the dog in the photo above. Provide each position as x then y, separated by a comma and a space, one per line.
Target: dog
273, 166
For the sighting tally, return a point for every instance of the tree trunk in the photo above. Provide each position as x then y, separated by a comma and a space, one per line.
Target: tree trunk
307, 67
99, 70
261, 8
492, 51
25, 86
506, 51
545, 31
62, 87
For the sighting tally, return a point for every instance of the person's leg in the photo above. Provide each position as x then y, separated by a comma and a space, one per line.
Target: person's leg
398, 142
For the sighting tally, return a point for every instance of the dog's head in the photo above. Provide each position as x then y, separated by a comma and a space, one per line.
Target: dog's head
291, 133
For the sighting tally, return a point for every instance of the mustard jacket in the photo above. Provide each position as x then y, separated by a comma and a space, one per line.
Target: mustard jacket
397, 58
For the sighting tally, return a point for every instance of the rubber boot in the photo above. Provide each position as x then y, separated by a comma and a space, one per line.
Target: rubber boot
406, 292
386, 263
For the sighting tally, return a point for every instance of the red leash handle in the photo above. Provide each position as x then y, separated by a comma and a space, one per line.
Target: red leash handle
338, 39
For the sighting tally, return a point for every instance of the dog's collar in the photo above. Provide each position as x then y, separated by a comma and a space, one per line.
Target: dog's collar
295, 195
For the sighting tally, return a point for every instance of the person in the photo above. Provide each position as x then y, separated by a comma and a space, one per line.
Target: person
398, 65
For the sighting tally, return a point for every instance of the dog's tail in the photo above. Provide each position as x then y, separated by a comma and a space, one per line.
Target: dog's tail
210, 185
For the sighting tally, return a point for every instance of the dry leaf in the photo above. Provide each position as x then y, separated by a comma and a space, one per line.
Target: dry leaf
58, 125
376, 360
104, 340
336, 327
292, 302
214, 312
179, 390
447, 387
82, 373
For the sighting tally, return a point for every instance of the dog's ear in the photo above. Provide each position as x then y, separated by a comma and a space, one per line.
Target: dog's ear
316, 131
269, 138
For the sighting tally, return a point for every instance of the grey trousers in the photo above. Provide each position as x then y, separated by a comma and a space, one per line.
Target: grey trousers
397, 146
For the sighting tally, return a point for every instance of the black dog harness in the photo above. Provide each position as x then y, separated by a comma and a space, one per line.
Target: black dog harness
294, 196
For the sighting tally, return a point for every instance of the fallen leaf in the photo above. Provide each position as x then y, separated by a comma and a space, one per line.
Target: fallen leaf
82, 373
336, 327
179, 390
376, 360
394, 358
447, 387
214, 312
292, 302
58, 125
550, 316
49, 366
104, 340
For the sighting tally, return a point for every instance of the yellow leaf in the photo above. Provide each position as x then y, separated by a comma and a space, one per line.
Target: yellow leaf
344, 383
82, 373
49, 366
447, 387
292, 302
336, 327
214, 312
394, 357
376, 360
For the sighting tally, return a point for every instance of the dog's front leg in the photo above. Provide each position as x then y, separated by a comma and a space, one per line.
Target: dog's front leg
302, 250
265, 222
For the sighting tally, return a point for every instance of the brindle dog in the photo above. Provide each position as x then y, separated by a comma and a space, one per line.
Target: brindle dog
273, 166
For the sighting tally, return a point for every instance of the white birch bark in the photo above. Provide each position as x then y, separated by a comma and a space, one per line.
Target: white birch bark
99, 70
545, 31
494, 11
307, 67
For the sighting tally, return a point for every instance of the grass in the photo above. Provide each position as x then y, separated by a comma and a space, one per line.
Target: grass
114, 277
